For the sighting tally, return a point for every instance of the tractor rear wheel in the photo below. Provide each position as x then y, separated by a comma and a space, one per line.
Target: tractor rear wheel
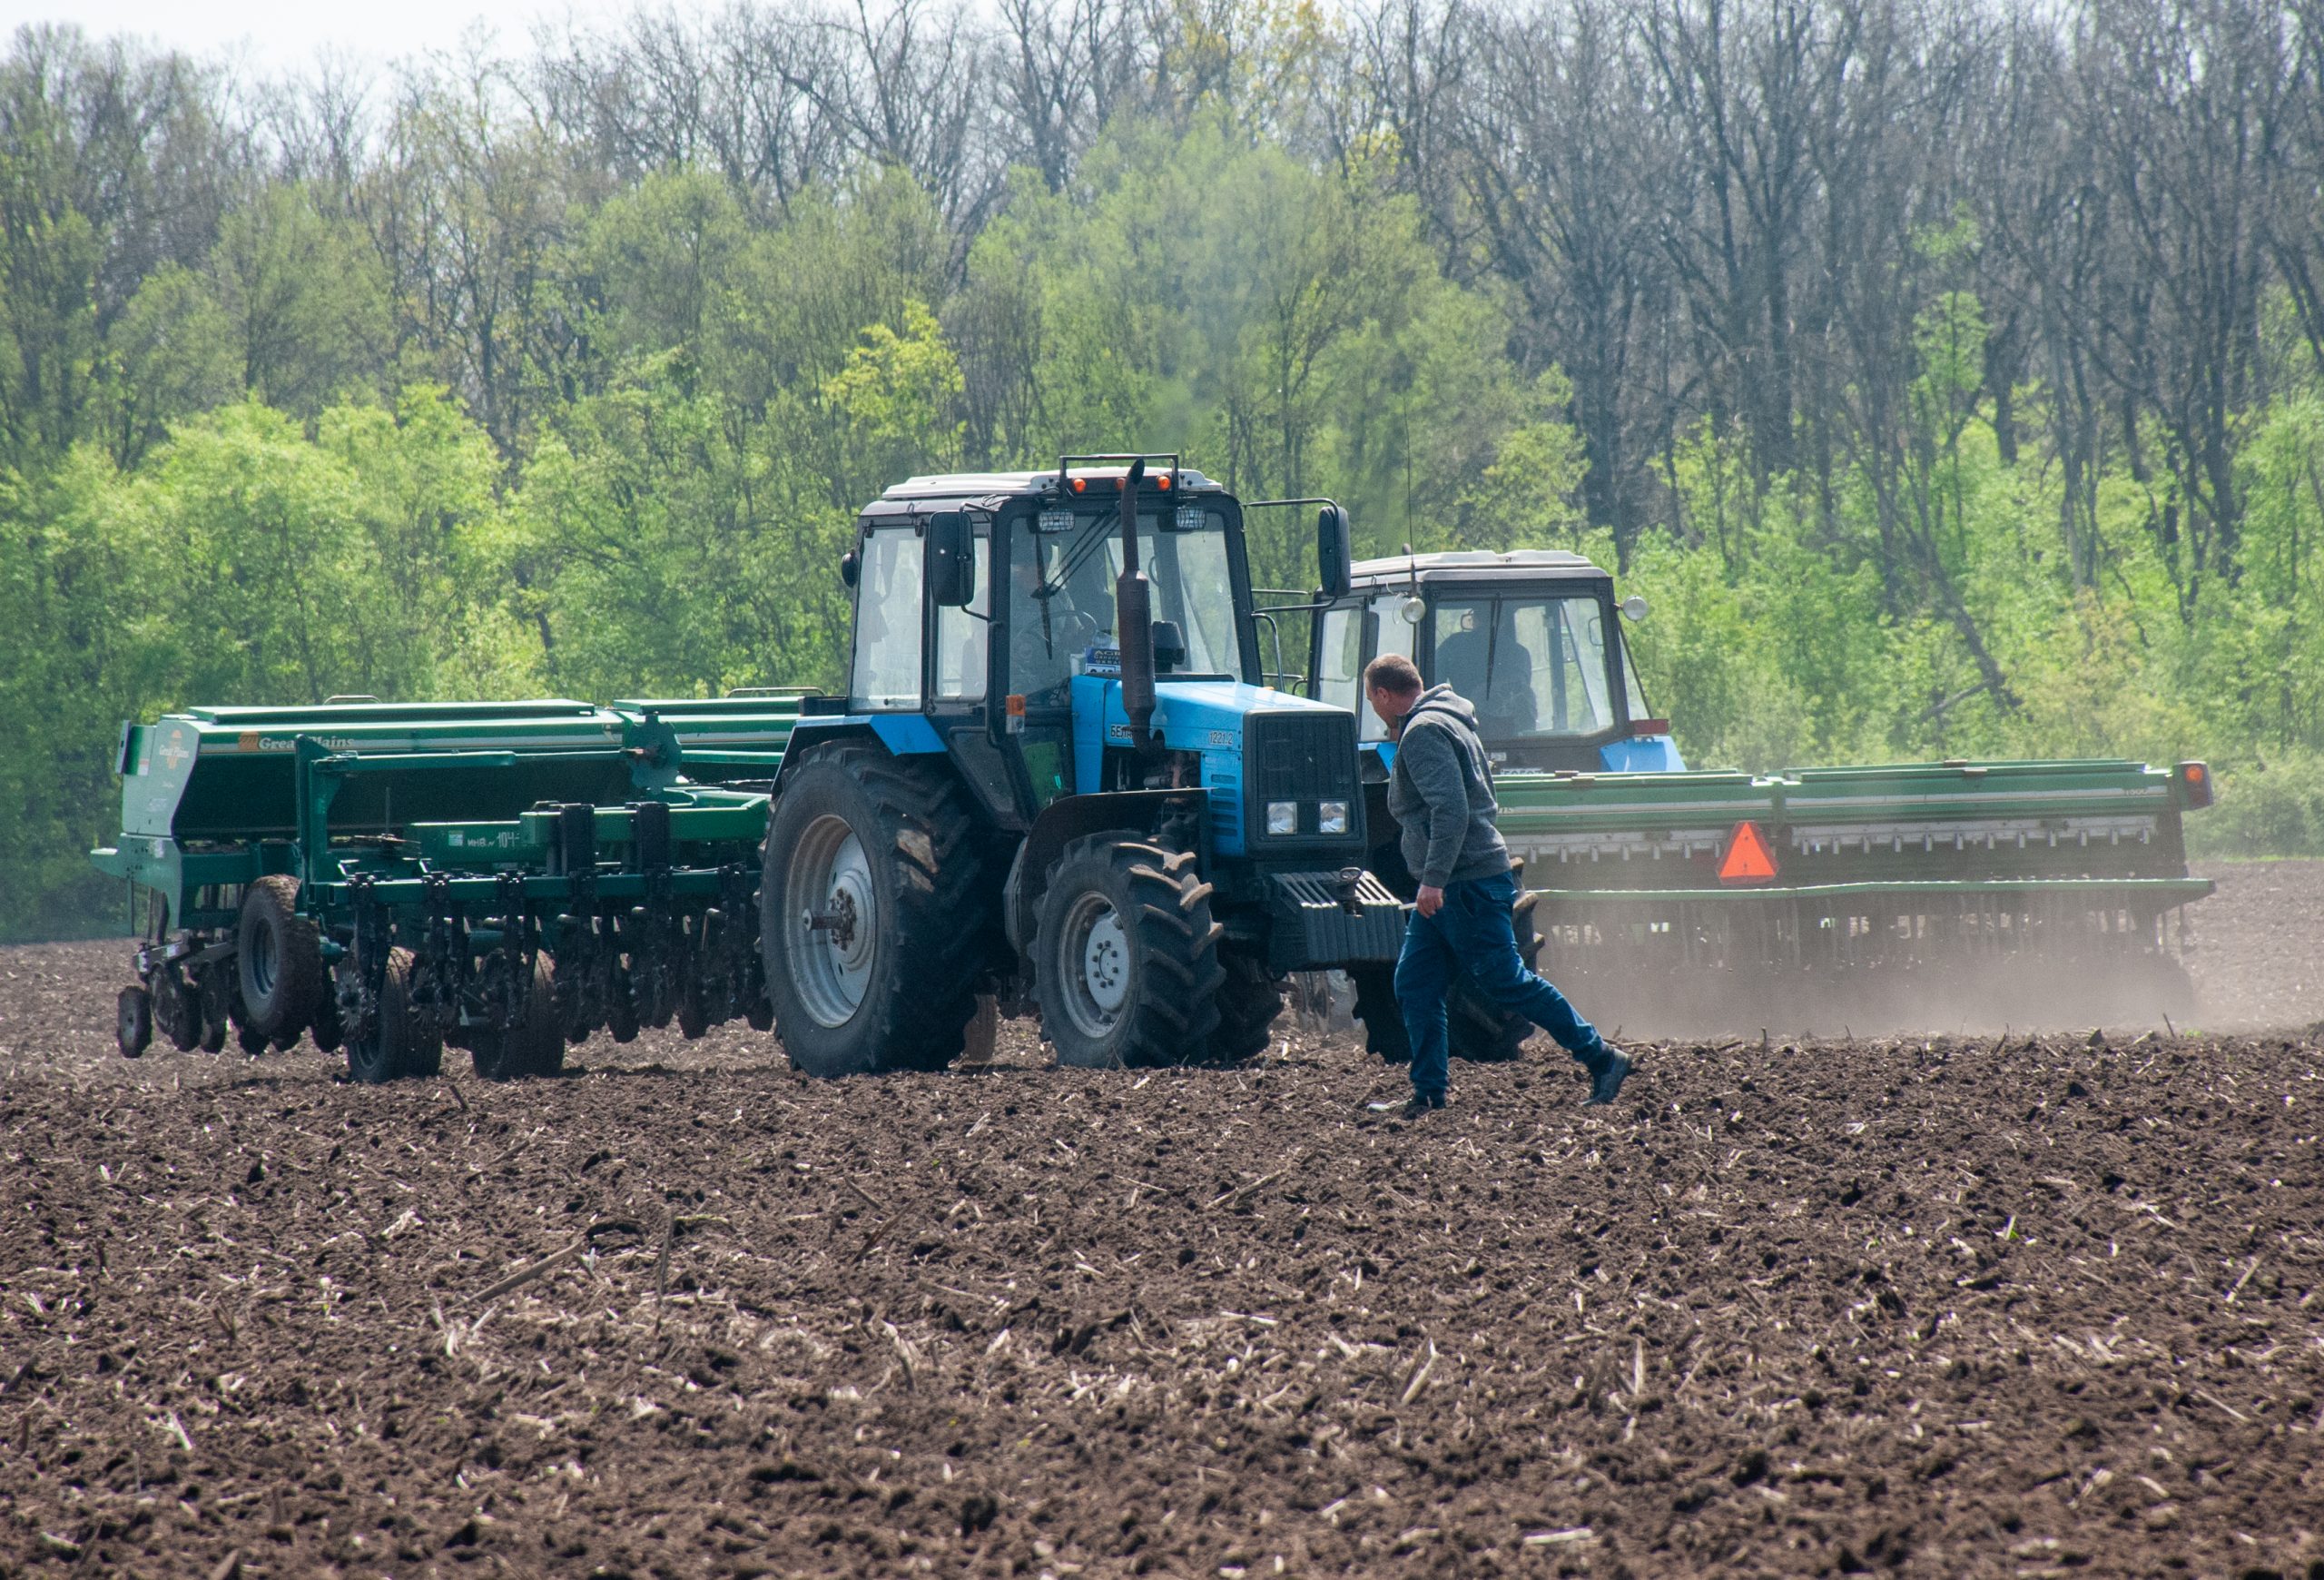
876, 908
1126, 961
280, 957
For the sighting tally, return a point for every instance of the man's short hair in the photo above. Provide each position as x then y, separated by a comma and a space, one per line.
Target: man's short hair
1392, 673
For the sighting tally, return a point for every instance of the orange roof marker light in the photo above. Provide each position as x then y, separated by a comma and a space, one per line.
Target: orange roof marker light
1748, 860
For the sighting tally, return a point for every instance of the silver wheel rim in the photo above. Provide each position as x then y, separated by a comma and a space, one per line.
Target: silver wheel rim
835, 922
1093, 962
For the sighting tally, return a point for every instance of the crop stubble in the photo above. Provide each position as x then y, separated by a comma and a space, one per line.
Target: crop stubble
1938, 1306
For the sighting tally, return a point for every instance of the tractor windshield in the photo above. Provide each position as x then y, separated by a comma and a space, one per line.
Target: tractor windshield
1535, 667
1061, 596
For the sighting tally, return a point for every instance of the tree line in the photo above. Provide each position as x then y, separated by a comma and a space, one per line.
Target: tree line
1949, 375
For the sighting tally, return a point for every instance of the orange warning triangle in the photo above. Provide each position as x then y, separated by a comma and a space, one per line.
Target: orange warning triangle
1748, 860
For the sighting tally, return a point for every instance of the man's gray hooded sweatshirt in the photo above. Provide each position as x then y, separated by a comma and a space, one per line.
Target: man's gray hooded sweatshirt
1441, 793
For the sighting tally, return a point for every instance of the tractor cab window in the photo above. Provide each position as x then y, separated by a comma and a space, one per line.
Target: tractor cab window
1636, 692
1390, 633
1339, 668
888, 617
961, 637
1532, 667
1061, 596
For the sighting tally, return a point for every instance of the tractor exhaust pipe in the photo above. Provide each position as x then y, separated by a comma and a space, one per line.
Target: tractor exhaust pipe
1134, 620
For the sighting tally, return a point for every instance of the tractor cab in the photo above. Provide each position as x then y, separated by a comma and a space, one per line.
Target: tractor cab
1531, 637
981, 598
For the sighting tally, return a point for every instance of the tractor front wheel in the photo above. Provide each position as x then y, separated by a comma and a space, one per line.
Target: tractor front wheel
1247, 1006
1126, 961
1476, 1029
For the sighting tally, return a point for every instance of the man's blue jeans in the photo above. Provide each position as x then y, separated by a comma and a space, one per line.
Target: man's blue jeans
1473, 931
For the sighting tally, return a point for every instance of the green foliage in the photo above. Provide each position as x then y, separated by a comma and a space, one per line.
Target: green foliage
251, 480
1289, 328
2269, 808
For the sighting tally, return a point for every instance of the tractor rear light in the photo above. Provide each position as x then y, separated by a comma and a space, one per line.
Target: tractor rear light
1332, 817
1080, 485
1163, 481
1283, 818
1642, 727
2197, 779
1013, 710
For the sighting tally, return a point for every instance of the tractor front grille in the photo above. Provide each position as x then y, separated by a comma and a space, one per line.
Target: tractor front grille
1307, 757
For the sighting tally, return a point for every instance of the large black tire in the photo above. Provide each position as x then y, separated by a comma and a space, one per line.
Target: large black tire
133, 1022
216, 991
694, 1005
1475, 1027
401, 1042
1377, 1012
1249, 1002
1126, 962
325, 1030
621, 1007
177, 1009
1479, 1032
886, 852
535, 1047
278, 956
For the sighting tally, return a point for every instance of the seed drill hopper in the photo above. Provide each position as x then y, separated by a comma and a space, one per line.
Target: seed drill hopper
1924, 894
1054, 782
507, 877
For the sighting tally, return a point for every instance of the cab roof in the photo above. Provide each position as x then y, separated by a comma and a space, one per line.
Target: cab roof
1002, 484
1464, 565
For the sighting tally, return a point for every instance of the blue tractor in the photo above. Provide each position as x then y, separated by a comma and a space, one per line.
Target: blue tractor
1057, 782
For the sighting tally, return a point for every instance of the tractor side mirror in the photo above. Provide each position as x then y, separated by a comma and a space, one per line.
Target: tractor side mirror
951, 561
851, 569
1334, 551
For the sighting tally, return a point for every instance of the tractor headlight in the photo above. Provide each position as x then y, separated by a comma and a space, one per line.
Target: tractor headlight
1283, 818
1332, 817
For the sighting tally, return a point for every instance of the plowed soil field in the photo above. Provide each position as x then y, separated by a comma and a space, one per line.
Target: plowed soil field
2052, 1304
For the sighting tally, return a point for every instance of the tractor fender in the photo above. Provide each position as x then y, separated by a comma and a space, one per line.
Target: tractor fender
1067, 819
903, 735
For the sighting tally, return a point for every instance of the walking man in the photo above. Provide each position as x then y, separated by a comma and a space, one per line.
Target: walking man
1439, 792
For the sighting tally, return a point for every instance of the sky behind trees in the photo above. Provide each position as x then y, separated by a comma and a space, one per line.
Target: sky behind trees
285, 37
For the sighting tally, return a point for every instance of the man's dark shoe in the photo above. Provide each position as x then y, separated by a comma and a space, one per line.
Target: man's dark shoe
1421, 1103
1606, 1080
